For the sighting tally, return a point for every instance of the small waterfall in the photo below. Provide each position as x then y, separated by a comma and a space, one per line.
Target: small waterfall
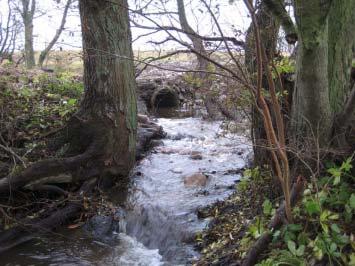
160, 217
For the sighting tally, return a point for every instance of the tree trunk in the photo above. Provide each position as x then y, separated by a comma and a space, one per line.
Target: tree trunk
29, 51
341, 36
27, 14
326, 37
45, 52
197, 43
102, 134
340, 54
311, 113
269, 29
109, 104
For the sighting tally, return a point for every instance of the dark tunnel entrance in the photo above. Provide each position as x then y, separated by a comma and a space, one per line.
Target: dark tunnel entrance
165, 102
165, 98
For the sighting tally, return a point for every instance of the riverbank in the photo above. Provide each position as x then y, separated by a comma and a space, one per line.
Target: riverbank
151, 217
226, 241
322, 232
35, 107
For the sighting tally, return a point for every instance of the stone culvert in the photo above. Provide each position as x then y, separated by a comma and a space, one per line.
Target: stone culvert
165, 97
160, 94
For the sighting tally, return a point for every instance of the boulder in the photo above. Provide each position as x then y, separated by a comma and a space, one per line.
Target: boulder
147, 131
196, 155
167, 150
100, 226
197, 179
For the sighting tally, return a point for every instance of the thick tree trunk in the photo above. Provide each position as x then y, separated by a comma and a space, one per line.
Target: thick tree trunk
311, 113
341, 36
109, 103
340, 54
326, 37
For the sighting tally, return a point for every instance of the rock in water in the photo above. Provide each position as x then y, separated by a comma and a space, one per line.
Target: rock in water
195, 155
176, 170
100, 226
197, 179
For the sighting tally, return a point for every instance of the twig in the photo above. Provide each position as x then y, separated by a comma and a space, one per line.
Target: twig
9, 150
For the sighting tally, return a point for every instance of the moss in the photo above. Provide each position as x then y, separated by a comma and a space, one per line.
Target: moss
341, 39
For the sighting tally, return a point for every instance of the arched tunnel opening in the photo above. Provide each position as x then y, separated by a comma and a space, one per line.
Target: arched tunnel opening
165, 98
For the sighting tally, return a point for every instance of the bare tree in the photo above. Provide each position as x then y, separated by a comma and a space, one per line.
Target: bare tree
29, 11
177, 29
9, 29
59, 31
193, 36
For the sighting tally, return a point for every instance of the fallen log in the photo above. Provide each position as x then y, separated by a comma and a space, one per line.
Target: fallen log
276, 222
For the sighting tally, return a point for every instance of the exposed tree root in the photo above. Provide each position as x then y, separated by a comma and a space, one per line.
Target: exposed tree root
46, 168
50, 188
80, 165
93, 142
30, 229
277, 221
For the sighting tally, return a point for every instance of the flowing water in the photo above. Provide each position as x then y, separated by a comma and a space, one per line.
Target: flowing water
160, 216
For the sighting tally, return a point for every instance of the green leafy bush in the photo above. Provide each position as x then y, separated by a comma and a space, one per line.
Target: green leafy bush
324, 229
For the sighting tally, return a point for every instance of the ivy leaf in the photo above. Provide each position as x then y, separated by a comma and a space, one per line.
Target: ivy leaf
292, 247
276, 235
267, 207
333, 247
72, 101
346, 166
295, 227
352, 259
336, 173
335, 228
312, 207
300, 250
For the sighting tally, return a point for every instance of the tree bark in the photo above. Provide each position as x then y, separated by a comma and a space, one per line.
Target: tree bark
326, 37
109, 99
45, 52
209, 101
102, 134
27, 14
268, 30
311, 113
196, 41
341, 40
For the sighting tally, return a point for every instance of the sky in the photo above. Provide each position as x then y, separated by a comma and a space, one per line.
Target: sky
229, 16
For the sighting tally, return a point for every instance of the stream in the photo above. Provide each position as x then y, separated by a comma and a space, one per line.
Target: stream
160, 217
